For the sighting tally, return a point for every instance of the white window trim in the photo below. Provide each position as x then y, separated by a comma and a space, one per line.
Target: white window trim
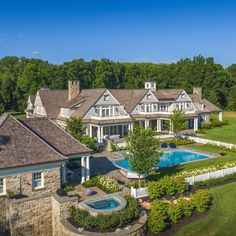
42, 181
4, 187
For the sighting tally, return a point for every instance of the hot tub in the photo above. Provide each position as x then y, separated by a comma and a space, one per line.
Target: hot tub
104, 204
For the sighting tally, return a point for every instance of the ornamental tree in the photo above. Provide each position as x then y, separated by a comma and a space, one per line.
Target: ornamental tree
177, 121
143, 150
75, 127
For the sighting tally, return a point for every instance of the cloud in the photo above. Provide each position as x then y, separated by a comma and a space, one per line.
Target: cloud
35, 53
140, 59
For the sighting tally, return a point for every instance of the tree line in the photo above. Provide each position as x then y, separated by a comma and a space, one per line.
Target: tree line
20, 77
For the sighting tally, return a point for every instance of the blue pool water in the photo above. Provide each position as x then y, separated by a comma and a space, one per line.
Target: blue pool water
106, 204
169, 159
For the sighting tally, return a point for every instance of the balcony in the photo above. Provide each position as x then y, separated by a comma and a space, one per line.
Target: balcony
114, 117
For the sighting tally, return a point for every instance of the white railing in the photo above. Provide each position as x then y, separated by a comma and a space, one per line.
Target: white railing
208, 141
142, 192
96, 117
210, 175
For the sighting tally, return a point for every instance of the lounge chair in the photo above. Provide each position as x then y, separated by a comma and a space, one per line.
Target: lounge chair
172, 145
164, 145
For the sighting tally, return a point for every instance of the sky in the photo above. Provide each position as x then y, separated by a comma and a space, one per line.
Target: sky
159, 31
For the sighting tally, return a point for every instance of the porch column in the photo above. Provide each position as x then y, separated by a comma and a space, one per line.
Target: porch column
130, 127
220, 116
63, 173
87, 168
158, 125
122, 130
102, 133
195, 127
99, 134
146, 124
83, 173
91, 131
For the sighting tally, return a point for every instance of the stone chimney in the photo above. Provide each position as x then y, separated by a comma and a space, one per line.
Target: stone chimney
198, 91
73, 89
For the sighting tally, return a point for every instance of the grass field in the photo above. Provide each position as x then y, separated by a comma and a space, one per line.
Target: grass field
226, 133
17, 114
221, 219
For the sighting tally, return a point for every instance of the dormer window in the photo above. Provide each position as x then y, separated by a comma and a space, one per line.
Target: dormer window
106, 97
148, 96
182, 95
202, 106
152, 85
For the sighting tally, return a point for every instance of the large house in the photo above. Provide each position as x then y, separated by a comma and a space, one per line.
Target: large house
112, 112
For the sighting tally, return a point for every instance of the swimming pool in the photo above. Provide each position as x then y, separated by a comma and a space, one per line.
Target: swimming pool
171, 158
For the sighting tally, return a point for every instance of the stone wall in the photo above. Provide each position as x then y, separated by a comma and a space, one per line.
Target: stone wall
31, 216
3, 216
22, 183
63, 228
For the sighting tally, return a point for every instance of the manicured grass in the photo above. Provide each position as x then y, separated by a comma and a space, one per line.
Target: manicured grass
226, 133
220, 220
230, 156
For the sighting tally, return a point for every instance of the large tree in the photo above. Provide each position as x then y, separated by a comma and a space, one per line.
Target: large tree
143, 150
75, 127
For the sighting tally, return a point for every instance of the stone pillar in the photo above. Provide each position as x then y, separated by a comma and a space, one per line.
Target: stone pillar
158, 125
195, 127
83, 169
220, 116
87, 168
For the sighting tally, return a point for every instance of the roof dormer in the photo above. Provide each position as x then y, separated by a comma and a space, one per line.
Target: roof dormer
150, 84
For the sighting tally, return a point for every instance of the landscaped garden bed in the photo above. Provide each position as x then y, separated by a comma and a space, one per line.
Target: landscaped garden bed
105, 183
106, 223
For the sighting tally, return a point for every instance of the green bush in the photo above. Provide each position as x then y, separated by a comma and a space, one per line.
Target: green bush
207, 125
113, 220
156, 189
178, 141
168, 185
90, 142
158, 217
68, 188
175, 212
201, 200
186, 206
212, 182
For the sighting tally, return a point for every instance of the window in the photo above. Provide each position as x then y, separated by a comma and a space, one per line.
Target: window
37, 180
155, 107
147, 85
152, 85
182, 95
2, 186
106, 97
142, 108
148, 96
105, 112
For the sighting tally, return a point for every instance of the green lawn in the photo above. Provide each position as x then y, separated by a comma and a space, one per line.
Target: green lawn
220, 220
226, 133
17, 114
230, 156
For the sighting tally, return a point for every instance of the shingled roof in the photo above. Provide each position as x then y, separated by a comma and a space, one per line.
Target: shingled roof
55, 136
21, 147
52, 100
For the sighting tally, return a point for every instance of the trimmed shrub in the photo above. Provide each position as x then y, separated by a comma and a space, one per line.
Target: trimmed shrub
201, 200
186, 206
158, 218
68, 188
175, 212
168, 185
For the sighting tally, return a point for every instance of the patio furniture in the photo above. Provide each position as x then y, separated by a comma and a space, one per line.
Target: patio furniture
164, 145
172, 145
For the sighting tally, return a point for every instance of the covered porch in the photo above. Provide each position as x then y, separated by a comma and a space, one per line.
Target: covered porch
109, 131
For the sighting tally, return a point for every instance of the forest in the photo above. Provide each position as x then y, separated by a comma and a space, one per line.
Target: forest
20, 77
